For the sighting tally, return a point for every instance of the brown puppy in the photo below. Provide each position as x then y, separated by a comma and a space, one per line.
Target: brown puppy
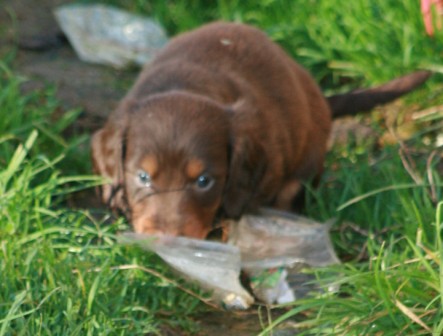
221, 122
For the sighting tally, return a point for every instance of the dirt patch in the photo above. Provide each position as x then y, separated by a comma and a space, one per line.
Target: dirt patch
45, 57
242, 323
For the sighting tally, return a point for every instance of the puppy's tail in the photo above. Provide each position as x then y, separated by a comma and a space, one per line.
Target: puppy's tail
363, 100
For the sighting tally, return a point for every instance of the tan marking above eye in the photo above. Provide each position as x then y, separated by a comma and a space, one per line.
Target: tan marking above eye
150, 165
194, 168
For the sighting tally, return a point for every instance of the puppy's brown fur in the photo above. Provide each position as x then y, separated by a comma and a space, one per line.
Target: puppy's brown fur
221, 122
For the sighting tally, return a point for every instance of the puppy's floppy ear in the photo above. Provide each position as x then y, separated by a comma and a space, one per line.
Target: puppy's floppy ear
107, 147
246, 169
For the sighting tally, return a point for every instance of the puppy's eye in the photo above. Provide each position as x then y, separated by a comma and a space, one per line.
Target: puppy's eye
204, 182
144, 178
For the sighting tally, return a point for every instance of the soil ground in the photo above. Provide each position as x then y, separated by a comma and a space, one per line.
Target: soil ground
44, 57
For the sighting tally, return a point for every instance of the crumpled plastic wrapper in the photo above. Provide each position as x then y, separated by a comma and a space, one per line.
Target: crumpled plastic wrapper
214, 266
275, 246
275, 238
271, 247
106, 35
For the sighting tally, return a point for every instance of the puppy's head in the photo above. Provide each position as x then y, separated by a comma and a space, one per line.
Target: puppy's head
174, 164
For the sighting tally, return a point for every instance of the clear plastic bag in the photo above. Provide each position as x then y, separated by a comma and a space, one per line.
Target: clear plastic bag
214, 266
273, 238
107, 35
270, 246
275, 246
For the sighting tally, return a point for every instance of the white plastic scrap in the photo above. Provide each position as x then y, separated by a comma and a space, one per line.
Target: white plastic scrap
268, 246
106, 35
275, 238
214, 266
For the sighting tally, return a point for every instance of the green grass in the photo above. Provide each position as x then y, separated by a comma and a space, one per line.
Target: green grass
62, 272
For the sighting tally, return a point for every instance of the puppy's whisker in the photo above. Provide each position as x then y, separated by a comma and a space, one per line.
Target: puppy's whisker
157, 192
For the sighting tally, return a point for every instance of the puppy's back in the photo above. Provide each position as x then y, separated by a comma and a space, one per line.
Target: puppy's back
272, 100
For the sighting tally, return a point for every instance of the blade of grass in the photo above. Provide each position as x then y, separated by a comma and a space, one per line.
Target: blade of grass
438, 223
381, 190
410, 314
17, 158
16, 305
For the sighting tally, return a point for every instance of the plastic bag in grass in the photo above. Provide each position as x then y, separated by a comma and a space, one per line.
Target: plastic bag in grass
214, 266
274, 238
271, 247
104, 34
275, 246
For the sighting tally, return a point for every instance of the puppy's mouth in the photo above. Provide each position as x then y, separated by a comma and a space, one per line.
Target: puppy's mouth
215, 234
219, 232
